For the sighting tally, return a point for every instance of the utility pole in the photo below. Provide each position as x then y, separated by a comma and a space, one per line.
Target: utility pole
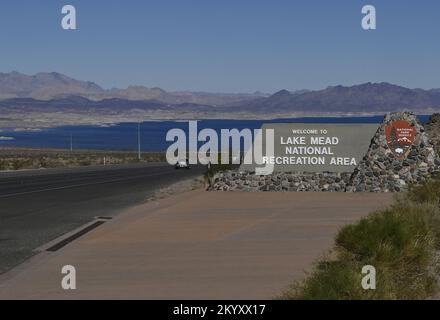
71, 142
139, 141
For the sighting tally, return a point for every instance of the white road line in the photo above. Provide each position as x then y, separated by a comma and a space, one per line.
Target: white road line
83, 169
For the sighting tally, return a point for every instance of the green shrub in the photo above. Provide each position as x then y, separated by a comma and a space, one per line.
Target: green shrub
427, 192
401, 242
330, 280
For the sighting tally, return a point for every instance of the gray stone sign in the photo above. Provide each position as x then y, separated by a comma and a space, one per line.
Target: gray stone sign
302, 147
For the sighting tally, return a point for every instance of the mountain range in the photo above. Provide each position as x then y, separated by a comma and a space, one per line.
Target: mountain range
56, 97
364, 98
53, 85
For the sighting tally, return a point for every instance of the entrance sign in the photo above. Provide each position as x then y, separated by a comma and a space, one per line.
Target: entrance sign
400, 135
300, 147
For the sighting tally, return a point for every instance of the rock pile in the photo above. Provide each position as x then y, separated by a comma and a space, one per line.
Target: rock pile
382, 171
281, 181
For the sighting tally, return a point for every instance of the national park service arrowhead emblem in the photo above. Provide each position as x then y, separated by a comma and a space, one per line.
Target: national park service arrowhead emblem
400, 136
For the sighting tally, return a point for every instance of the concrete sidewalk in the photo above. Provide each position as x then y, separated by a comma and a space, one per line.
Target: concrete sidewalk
197, 245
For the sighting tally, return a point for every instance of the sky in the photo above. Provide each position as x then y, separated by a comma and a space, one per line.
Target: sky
225, 45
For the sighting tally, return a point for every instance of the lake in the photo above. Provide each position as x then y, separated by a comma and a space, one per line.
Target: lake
123, 136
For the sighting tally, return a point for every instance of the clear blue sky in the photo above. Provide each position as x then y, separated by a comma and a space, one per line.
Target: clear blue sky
225, 45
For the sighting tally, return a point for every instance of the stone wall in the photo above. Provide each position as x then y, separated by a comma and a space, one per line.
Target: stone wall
379, 171
248, 181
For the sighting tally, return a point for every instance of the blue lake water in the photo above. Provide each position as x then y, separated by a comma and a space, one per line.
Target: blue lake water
153, 133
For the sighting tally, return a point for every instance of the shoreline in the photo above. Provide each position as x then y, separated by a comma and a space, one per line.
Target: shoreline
107, 124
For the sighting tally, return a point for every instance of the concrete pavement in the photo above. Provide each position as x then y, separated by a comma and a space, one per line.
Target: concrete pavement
196, 245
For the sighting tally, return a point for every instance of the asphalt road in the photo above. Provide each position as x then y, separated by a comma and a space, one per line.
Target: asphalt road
40, 205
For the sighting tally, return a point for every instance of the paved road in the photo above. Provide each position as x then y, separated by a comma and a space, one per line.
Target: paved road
40, 205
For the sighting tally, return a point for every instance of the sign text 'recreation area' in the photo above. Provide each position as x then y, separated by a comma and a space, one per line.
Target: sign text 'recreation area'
317, 147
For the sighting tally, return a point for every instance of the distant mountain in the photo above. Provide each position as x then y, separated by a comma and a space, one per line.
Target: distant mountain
44, 86
364, 98
48, 86
79, 101
368, 98
74, 104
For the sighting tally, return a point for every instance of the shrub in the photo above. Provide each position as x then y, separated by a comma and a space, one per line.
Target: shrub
330, 280
401, 242
16, 158
427, 192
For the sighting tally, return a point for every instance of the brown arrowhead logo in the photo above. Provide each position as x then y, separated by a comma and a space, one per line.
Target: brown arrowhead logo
400, 135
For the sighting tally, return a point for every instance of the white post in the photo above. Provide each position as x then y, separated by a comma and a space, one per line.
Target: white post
139, 141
